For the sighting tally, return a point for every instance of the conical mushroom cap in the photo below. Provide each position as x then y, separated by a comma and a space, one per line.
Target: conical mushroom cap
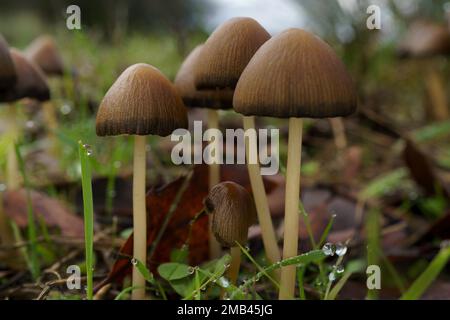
295, 74
424, 39
45, 54
7, 72
184, 82
233, 212
227, 51
142, 101
30, 81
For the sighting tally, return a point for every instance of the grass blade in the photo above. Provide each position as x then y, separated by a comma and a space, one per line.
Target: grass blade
33, 260
424, 281
88, 207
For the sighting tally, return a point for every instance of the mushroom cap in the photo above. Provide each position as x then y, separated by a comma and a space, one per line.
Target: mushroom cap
425, 39
184, 82
141, 101
227, 51
7, 71
44, 52
30, 81
233, 212
295, 74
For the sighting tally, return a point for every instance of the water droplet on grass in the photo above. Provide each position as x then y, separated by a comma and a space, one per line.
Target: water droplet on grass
332, 276
134, 262
341, 249
328, 249
340, 269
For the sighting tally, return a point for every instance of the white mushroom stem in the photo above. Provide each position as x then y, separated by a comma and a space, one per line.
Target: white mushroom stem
340, 139
214, 178
235, 264
291, 215
139, 216
259, 195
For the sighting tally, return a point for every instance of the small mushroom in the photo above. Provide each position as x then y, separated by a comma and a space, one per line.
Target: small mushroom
30, 81
294, 75
233, 212
142, 101
44, 52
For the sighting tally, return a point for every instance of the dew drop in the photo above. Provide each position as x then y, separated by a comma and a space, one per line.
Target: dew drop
224, 282
65, 109
88, 149
332, 276
191, 270
328, 249
341, 249
134, 262
340, 269
30, 124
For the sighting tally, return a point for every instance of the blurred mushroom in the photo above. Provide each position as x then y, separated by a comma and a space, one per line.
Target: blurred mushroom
425, 41
31, 84
233, 212
44, 52
7, 71
294, 75
141, 101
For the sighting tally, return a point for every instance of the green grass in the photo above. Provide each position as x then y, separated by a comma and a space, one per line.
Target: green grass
88, 208
33, 258
428, 276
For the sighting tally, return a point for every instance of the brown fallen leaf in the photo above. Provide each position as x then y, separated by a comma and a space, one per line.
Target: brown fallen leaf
52, 211
422, 171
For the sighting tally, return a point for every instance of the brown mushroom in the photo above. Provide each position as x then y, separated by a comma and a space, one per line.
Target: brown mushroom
294, 75
233, 212
7, 71
44, 52
142, 101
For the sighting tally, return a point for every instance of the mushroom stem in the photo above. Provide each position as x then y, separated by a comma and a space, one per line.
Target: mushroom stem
139, 216
235, 264
12, 166
50, 119
214, 178
340, 139
437, 96
259, 195
291, 215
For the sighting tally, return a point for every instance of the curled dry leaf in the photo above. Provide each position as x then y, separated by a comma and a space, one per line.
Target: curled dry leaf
52, 211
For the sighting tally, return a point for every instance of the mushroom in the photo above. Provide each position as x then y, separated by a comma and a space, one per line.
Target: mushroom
30, 83
141, 101
211, 99
294, 75
223, 58
233, 212
44, 52
426, 40
7, 71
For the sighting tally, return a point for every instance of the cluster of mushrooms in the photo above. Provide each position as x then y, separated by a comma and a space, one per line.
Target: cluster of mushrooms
292, 75
25, 75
